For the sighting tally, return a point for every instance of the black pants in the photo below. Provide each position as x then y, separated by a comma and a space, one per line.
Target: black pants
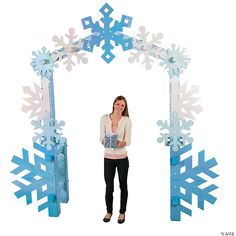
110, 166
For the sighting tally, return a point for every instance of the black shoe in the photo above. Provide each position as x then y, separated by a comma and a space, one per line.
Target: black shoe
121, 221
106, 219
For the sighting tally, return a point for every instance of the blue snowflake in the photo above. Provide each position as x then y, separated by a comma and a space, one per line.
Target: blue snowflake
107, 34
50, 135
175, 61
48, 176
175, 136
42, 63
190, 181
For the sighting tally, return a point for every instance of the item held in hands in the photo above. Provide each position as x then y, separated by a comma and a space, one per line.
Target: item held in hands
111, 140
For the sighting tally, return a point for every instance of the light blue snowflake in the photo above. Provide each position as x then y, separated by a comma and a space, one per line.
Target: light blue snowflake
175, 61
188, 182
42, 63
50, 135
107, 34
45, 176
175, 136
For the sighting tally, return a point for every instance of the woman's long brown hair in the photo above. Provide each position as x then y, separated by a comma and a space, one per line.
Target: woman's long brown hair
121, 98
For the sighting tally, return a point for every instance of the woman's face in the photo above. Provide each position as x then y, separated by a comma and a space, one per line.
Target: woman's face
119, 106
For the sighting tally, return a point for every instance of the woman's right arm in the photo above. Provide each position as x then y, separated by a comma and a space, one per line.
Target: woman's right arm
102, 129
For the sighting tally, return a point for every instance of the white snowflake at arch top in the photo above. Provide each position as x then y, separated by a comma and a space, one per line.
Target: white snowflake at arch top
50, 135
183, 100
71, 49
176, 135
147, 48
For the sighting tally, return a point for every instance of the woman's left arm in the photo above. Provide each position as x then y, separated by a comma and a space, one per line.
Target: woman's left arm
127, 134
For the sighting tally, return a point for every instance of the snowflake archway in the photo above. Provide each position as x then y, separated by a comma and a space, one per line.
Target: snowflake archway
49, 174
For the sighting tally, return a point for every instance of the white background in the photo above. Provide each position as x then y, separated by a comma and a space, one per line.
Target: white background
206, 29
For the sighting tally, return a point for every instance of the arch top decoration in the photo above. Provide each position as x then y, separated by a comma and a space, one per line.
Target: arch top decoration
49, 174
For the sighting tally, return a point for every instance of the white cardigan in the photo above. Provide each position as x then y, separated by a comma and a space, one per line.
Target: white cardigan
124, 134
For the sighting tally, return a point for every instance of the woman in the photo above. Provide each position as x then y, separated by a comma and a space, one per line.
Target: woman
116, 125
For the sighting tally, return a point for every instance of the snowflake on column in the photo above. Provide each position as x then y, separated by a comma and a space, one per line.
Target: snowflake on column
40, 176
186, 183
184, 101
175, 61
49, 135
37, 100
42, 63
176, 137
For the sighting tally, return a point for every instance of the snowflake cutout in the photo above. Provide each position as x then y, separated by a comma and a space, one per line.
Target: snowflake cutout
184, 101
146, 48
43, 177
176, 61
49, 136
37, 100
107, 34
176, 136
42, 63
188, 182
71, 49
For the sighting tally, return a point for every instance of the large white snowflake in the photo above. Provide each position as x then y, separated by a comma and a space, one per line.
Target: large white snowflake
50, 132
37, 100
147, 48
183, 100
70, 49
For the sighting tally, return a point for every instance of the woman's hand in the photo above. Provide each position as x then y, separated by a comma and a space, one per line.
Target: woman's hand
121, 143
